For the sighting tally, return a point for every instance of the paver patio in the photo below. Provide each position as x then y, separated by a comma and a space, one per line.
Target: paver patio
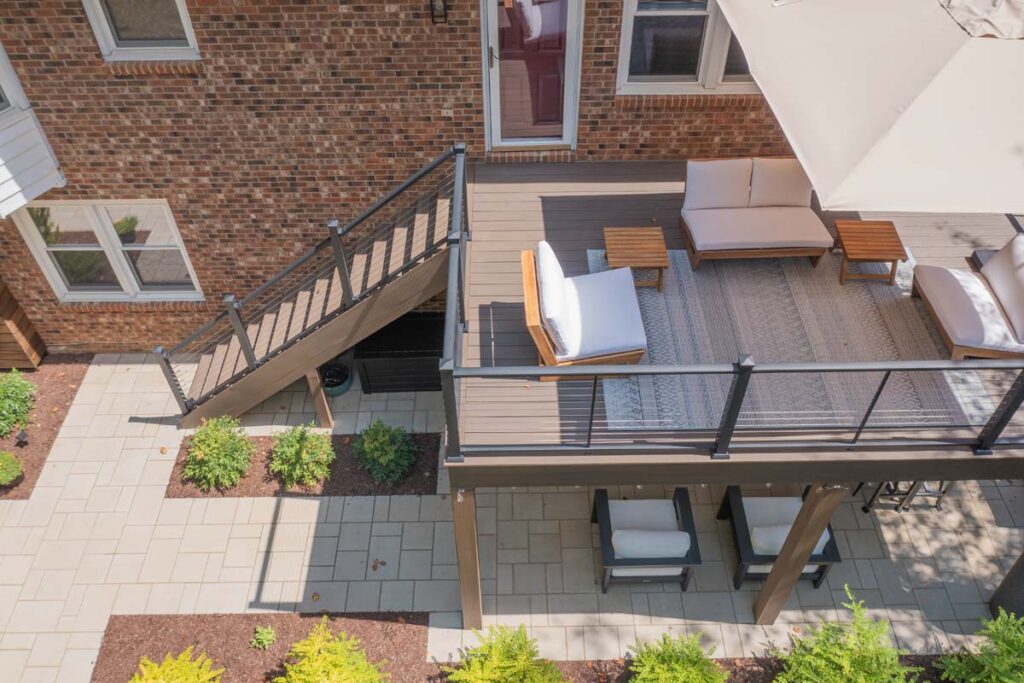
97, 537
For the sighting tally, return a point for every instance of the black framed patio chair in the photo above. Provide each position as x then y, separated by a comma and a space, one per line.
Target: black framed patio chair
760, 526
646, 541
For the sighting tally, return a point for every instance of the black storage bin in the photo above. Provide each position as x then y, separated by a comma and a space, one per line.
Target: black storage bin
403, 356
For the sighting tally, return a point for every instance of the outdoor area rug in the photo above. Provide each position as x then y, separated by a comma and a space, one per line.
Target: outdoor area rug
783, 311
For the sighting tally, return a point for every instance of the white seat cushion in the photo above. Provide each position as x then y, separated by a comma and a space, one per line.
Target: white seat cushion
779, 182
764, 227
554, 309
966, 308
637, 543
768, 540
717, 184
648, 515
603, 315
1004, 273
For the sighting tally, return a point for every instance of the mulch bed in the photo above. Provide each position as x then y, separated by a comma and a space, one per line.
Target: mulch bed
399, 639
347, 477
57, 380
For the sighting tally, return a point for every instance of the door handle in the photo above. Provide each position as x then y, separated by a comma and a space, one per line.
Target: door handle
490, 57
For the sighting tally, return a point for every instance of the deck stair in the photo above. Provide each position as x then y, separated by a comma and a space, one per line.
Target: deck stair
364, 275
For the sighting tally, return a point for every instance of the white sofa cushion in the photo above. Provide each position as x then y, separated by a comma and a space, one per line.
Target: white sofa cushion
1005, 275
764, 227
768, 540
637, 543
779, 182
966, 308
554, 309
717, 184
648, 515
603, 316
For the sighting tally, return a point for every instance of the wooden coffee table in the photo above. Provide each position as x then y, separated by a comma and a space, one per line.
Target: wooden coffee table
869, 242
641, 248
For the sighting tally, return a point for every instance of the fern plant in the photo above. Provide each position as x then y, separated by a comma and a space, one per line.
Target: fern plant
10, 468
263, 637
302, 456
16, 397
999, 658
857, 652
322, 657
218, 454
386, 453
180, 669
504, 655
680, 660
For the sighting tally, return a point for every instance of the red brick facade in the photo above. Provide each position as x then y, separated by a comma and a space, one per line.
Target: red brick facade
298, 111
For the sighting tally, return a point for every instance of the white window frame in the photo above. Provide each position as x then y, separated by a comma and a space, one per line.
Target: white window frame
11, 87
105, 36
108, 240
710, 79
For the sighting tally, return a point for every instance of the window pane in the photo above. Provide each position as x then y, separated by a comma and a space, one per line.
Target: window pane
736, 61
667, 47
63, 225
85, 270
141, 23
141, 224
160, 269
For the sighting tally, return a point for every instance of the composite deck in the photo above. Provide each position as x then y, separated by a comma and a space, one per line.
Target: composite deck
512, 207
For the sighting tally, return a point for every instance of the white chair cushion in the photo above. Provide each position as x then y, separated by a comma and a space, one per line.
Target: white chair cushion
718, 184
554, 308
603, 316
779, 182
635, 543
966, 308
647, 515
1005, 275
652, 572
764, 227
768, 540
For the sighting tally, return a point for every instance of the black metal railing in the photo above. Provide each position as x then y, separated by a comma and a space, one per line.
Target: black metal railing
349, 264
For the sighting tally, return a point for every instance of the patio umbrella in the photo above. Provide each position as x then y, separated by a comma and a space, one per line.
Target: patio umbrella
895, 105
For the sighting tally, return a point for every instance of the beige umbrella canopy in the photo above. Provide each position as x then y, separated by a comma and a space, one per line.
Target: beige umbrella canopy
895, 105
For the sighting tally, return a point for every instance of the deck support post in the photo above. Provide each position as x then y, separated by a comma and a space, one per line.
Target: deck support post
341, 263
321, 403
1010, 594
1001, 416
467, 554
810, 523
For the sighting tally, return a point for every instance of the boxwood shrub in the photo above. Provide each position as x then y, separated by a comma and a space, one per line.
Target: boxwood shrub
218, 454
386, 453
301, 456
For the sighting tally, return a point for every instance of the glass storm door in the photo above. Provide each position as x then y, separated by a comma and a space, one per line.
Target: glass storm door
532, 56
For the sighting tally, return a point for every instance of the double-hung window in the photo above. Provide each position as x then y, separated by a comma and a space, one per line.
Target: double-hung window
109, 251
679, 47
142, 29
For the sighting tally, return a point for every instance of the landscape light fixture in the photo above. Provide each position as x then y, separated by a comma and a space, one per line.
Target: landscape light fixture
21, 438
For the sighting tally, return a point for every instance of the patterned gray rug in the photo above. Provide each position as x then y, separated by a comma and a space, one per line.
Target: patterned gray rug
778, 311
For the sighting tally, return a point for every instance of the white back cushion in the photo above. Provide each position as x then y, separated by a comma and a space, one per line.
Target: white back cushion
768, 540
779, 182
554, 309
771, 511
1005, 275
647, 515
642, 544
717, 184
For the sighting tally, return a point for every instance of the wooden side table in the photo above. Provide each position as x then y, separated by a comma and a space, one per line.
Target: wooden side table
641, 248
869, 242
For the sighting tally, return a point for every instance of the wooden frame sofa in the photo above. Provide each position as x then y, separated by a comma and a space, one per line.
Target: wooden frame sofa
583, 320
980, 315
750, 208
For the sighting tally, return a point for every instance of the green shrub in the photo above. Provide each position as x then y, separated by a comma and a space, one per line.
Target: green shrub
180, 669
325, 658
680, 659
263, 637
302, 456
218, 454
999, 659
16, 396
855, 652
10, 468
387, 453
504, 655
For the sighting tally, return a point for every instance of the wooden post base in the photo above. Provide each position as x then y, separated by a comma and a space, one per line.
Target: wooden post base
468, 557
321, 403
1010, 594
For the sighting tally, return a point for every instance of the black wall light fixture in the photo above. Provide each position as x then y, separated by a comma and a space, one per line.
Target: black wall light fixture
438, 11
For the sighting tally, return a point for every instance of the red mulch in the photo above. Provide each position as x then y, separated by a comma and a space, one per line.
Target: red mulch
399, 639
57, 380
347, 477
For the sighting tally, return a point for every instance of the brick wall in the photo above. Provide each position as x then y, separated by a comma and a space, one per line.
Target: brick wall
298, 111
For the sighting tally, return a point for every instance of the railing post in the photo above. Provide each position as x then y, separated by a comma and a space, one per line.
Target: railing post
871, 406
458, 226
164, 361
744, 367
1001, 416
453, 450
232, 305
341, 262
593, 405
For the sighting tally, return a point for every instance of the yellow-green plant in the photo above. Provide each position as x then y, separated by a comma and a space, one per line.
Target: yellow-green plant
180, 669
10, 468
16, 397
322, 657
302, 456
387, 453
680, 660
998, 659
504, 655
218, 454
